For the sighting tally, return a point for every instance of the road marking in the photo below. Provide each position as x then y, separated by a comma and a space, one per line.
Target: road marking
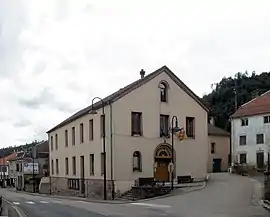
30, 202
16, 203
56, 201
43, 201
151, 205
80, 201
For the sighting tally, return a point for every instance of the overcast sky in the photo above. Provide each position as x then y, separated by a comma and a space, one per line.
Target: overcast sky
56, 55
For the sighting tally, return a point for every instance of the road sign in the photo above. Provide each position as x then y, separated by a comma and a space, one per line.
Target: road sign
171, 167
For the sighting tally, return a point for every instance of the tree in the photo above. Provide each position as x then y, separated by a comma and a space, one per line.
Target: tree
241, 87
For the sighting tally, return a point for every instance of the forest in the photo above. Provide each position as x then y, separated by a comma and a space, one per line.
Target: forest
231, 92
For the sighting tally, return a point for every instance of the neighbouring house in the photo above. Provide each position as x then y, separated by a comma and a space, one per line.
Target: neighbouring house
219, 148
31, 167
136, 125
4, 168
250, 132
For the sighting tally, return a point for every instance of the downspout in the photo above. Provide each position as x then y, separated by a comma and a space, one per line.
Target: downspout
111, 146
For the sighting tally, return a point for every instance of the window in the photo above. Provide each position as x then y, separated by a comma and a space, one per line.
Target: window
163, 92
137, 163
66, 138
102, 158
266, 119
91, 130
74, 166
73, 135
213, 148
244, 122
92, 165
259, 139
51, 143
81, 132
190, 127
57, 167
102, 125
74, 184
136, 123
243, 158
67, 166
164, 125
56, 141
242, 140
52, 167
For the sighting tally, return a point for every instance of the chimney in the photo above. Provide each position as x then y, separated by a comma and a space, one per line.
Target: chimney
142, 73
212, 121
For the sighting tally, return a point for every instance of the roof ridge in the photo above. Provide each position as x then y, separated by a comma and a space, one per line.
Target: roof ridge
255, 98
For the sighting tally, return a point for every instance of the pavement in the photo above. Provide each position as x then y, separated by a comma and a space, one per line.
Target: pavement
225, 196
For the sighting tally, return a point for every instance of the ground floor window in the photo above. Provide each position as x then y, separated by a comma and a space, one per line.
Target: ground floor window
137, 165
74, 184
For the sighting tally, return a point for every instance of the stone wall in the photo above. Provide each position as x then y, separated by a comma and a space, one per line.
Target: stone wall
93, 188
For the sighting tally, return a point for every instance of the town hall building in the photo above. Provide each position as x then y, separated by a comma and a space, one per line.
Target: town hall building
136, 124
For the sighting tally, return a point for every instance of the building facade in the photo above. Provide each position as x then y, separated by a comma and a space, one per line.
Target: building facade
137, 137
251, 132
218, 149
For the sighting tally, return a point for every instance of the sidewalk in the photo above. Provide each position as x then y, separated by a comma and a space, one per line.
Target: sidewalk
187, 188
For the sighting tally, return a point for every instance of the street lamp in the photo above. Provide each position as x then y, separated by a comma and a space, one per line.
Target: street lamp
93, 112
174, 129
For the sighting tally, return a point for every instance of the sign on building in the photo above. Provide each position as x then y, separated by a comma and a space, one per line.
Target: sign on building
28, 168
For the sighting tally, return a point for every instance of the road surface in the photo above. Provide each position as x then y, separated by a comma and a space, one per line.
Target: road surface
225, 196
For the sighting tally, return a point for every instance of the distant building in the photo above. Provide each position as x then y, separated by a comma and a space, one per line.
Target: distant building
250, 131
4, 168
31, 166
219, 149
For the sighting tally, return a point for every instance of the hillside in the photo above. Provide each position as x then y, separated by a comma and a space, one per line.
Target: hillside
9, 150
221, 100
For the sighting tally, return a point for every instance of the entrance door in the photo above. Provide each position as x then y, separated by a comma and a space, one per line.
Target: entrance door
82, 175
260, 160
162, 173
216, 165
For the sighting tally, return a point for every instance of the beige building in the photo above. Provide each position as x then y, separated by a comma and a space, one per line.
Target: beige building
137, 120
219, 149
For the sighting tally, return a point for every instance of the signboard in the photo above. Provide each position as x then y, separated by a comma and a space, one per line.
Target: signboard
28, 168
171, 167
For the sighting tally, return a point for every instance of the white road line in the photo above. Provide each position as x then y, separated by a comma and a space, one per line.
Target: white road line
30, 202
80, 201
16, 203
56, 201
43, 201
151, 205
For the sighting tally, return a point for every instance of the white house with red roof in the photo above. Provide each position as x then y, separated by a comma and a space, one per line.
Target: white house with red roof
250, 131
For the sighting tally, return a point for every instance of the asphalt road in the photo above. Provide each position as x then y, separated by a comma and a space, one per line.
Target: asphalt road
225, 196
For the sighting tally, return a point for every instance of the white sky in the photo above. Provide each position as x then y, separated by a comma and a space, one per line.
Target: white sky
56, 55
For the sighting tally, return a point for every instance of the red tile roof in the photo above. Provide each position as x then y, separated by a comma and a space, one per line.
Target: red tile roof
256, 106
3, 160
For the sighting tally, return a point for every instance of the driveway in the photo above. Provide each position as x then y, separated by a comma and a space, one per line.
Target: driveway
225, 196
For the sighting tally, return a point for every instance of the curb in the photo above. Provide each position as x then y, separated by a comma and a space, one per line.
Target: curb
172, 194
266, 205
18, 211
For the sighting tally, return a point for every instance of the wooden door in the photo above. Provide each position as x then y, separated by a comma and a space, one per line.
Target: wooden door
260, 160
162, 173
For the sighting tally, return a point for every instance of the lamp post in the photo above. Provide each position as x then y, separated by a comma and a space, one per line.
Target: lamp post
93, 111
174, 129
